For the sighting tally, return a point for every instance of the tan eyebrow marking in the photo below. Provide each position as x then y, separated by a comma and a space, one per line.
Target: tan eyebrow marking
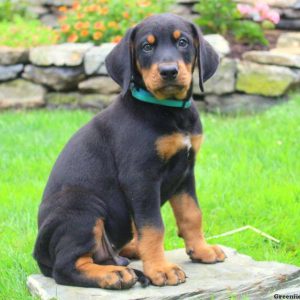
151, 39
176, 34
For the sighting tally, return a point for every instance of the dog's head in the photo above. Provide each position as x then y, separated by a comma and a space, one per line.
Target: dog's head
160, 54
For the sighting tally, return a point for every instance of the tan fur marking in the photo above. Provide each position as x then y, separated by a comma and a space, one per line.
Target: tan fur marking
169, 145
151, 250
151, 245
189, 221
176, 34
188, 218
130, 250
151, 39
98, 232
196, 141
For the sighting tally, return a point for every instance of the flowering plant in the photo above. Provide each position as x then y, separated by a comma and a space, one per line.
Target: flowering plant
103, 20
259, 12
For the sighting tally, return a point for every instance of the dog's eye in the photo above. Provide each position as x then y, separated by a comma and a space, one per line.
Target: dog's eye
183, 43
147, 47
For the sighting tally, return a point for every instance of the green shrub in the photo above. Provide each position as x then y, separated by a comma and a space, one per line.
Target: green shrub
222, 16
250, 32
104, 21
25, 33
9, 9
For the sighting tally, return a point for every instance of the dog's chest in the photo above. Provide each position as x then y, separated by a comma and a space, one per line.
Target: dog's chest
177, 151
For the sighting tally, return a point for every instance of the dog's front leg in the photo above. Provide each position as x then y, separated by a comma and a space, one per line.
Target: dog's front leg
145, 202
189, 221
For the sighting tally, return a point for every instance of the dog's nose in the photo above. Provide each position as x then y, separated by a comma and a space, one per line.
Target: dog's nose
168, 71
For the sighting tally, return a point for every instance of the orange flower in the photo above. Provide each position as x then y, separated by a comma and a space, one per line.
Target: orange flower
84, 33
62, 9
103, 11
80, 16
116, 39
99, 26
86, 25
76, 5
65, 28
144, 3
126, 15
73, 38
113, 24
91, 8
97, 35
78, 25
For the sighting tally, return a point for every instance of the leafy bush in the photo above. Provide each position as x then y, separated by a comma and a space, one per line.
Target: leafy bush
104, 21
9, 9
250, 32
222, 16
25, 33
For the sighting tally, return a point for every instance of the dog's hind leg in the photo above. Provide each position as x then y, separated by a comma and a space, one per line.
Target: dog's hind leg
72, 242
84, 271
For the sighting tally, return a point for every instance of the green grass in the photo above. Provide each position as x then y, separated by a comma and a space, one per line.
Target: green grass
248, 172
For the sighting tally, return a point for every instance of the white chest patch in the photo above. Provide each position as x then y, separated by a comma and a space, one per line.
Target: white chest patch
187, 142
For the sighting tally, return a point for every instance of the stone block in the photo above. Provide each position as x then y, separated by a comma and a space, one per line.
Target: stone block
289, 40
95, 57
101, 84
266, 80
10, 72
219, 43
239, 276
70, 55
222, 82
56, 78
13, 56
273, 58
21, 93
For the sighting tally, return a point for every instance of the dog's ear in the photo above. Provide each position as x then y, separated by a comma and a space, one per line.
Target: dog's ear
119, 62
207, 57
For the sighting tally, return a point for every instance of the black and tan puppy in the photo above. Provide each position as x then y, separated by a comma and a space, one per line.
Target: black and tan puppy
105, 191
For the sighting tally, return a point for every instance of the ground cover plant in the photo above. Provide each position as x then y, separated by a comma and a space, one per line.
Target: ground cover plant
104, 21
26, 33
247, 172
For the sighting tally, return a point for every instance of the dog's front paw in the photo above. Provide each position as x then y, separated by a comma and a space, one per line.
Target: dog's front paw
117, 278
164, 273
205, 253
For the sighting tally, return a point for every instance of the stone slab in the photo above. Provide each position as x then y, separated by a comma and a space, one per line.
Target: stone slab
10, 72
222, 82
100, 84
273, 58
59, 55
289, 40
239, 275
266, 80
94, 60
13, 56
21, 93
219, 43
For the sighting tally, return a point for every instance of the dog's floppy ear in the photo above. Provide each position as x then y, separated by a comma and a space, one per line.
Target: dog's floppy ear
119, 62
207, 57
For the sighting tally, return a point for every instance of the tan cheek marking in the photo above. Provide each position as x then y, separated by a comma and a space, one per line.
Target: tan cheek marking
169, 145
196, 141
151, 39
176, 34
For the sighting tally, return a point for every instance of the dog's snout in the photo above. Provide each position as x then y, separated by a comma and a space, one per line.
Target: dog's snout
168, 71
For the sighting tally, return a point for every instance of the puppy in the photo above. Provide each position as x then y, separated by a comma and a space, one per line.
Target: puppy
105, 191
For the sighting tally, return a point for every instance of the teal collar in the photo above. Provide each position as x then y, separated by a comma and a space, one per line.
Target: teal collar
145, 96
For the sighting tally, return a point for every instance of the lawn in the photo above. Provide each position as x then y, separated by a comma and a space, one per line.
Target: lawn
248, 172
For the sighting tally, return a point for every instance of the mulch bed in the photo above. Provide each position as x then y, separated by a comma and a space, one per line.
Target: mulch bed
237, 49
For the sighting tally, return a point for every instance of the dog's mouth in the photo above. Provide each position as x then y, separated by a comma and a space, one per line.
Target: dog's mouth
173, 90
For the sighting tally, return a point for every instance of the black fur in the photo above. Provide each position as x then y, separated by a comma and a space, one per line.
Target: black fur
110, 168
